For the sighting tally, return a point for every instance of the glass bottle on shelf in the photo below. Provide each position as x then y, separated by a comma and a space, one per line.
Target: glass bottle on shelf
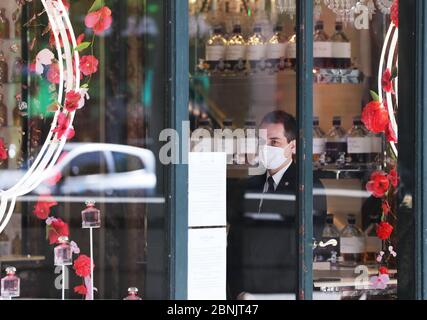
10, 285
4, 69
133, 294
91, 216
17, 115
373, 243
322, 49
214, 17
63, 253
215, 50
4, 25
291, 51
352, 242
17, 69
5, 245
236, 50
375, 155
341, 48
330, 232
3, 112
17, 18
276, 49
256, 49
358, 144
336, 143
319, 144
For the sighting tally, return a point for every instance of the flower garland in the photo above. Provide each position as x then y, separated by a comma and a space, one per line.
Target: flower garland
384, 184
98, 20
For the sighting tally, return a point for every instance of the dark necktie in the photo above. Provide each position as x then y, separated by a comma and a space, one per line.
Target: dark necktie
270, 181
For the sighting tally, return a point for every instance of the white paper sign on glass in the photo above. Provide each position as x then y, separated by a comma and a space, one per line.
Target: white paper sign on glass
207, 191
207, 264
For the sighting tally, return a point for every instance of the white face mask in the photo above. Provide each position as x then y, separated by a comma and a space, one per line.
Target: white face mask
273, 158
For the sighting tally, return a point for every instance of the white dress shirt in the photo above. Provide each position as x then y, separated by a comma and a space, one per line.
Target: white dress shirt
276, 177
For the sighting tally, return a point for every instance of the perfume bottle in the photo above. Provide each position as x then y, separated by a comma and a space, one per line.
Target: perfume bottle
336, 143
322, 49
341, 48
133, 294
291, 51
319, 143
17, 69
91, 216
4, 69
3, 112
236, 50
63, 253
352, 240
17, 18
4, 25
330, 232
276, 49
256, 48
215, 50
10, 285
373, 243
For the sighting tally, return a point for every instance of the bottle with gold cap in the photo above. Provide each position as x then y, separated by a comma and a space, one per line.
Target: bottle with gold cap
236, 50
256, 48
4, 70
133, 294
276, 49
3, 112
4, 25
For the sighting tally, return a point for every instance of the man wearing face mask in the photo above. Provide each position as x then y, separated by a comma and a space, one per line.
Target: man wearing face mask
262, 246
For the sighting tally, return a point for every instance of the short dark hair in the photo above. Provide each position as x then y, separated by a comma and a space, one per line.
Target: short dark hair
282, 117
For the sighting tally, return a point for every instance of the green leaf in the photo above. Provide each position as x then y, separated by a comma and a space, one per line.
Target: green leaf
375, 96
394, 73
98, 4
84, 86
82, 46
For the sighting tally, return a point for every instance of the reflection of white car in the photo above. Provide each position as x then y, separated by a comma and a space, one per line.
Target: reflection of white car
99, 168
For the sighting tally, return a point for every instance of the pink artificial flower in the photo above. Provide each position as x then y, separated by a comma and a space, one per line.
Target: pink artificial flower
63, 127
379, 282
88, 65
3, 151
72, 100
53, 75
100, 20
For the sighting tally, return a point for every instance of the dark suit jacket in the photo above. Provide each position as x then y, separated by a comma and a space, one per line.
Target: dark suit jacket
261, 253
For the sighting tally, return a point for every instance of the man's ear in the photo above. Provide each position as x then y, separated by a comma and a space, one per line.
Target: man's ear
294, 146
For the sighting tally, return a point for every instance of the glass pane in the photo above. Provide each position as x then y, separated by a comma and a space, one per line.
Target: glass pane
355, 154
242, 94
111, 160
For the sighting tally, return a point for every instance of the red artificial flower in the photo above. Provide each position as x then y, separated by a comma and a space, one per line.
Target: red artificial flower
386, 207
43, 205
393, 177
99, 20
3, 151
53, 74
378, 185
52, 42
394, 12
82, 266
383, 270
63, 127
384, 230
387, 81
375, 117
88, 65
57, 229
72, 99
390, 134
81, 289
